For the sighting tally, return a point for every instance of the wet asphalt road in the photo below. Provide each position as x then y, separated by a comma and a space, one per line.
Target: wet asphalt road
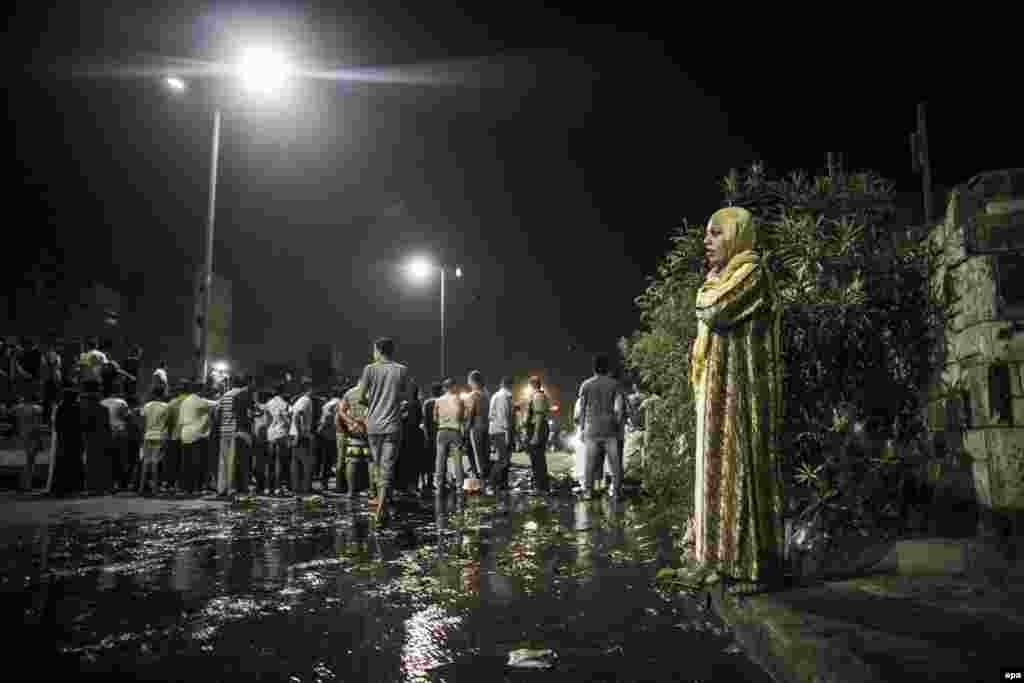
282, 590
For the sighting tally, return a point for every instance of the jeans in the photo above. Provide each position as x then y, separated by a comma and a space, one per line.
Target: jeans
123, 457
499, 473
280, 455
171, 462
341, 483
597, 448
481, 452
303, 464
33, 444
325, 452
384, 449
262, 464
193, 465
449, 442
539, 461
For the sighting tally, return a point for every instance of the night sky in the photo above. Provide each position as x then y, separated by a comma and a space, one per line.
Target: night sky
553, 173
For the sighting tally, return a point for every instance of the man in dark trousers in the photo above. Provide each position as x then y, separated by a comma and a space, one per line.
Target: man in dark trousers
501, 423
537, 411
430, 432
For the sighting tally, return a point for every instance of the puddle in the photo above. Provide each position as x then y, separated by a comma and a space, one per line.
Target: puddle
282, 591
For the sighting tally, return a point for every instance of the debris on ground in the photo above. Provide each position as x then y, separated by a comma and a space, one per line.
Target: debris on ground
532, 659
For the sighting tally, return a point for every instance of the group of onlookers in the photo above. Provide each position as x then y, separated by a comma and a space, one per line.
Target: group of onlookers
39, 377
376, 435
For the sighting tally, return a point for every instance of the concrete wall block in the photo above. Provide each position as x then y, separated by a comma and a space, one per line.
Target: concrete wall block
981, 483
976, 285
1006, 468
975, 380
1018, 410
975, 445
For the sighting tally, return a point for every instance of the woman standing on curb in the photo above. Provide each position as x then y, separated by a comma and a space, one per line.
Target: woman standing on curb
736, 378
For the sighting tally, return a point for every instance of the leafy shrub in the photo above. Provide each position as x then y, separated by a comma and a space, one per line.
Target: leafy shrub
861, 327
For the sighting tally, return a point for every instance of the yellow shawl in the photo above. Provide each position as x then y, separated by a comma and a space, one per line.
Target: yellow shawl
738, 230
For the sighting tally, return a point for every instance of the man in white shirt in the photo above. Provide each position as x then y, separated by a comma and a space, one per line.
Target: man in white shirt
118, 451
301, 438
500, 425
279, 412
194, 417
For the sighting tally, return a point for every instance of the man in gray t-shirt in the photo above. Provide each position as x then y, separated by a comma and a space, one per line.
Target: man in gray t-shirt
384, 388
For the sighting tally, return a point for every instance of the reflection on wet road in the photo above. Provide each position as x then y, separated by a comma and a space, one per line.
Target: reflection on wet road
284, 591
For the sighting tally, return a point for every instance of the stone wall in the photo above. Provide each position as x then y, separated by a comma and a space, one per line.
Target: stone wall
981, 412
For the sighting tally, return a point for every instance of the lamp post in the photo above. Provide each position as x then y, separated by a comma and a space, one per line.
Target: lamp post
202, 361
421, 270
261, 70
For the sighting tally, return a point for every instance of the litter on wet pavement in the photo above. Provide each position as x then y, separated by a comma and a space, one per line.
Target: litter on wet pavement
532, 659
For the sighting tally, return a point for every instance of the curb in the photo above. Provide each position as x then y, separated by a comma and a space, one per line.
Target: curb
799, 647
787, 651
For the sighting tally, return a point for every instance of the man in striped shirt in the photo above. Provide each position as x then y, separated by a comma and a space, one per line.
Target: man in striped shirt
235, 435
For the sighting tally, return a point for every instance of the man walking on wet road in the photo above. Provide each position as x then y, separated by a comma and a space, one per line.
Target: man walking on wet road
383, 388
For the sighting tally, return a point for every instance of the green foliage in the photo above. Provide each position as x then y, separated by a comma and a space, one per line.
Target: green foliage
861, 325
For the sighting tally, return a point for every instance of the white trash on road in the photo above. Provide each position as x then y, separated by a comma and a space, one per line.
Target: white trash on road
532, 659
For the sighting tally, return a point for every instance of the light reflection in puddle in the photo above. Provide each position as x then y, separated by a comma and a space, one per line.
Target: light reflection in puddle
431, 592
426, 635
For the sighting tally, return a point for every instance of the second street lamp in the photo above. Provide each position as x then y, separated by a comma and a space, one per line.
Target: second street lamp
421, 269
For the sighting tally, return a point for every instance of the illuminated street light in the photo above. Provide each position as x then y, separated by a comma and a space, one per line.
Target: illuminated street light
174, 83
221, 367
421, 269
262, 70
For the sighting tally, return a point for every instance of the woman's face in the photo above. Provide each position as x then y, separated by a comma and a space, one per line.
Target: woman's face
714, 245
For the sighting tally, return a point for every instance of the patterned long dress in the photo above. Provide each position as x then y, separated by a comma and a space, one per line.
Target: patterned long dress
738, 507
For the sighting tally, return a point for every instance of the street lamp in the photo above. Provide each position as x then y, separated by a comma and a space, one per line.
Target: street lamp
262, 70
421, 269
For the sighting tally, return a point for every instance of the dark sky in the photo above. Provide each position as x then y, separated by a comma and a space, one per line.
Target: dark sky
554, 176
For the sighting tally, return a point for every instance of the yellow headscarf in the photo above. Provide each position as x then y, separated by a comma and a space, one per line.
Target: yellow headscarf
738, 232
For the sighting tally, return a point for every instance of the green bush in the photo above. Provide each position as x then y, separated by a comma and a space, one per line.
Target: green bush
860, 327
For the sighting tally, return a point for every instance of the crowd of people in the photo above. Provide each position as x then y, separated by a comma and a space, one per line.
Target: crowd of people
374, 436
